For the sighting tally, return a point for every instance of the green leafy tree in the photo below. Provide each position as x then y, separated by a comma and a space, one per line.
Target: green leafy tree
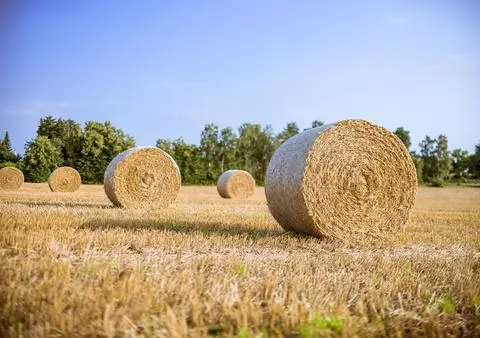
436, 160
255, 147
418, 162
404, 136
11, 164
430, 165
101, 143
226, 144
474, 162
209, 150
290, 130
187, 158
460, 162
48, 127
66, 134
443, 156
167, 146
42, 156
265, 149
316, 124
248, 135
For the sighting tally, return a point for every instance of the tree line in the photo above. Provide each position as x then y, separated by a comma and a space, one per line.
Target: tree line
90, 149
62, 142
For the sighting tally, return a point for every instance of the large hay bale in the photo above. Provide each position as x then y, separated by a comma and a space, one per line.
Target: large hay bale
142, 177
11, 178
351, 179
236, 184
64, 179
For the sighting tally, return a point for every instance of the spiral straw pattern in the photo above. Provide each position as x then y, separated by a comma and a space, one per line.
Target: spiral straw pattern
236, 184
350, 179
64, 179
11, 178
142, 177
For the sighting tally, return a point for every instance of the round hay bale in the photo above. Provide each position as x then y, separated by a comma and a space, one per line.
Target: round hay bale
142, 177
11, 178
351, 179
236, 184
64, 179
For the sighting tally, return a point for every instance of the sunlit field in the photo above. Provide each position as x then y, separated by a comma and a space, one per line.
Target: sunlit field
73, 265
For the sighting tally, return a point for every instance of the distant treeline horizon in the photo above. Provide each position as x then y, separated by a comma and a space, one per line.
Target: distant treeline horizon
63, 142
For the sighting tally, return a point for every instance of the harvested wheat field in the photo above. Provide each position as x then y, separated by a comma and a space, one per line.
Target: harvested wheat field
73, 265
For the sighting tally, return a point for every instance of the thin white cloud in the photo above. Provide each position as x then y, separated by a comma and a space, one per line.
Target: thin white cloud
35, 108
50, 104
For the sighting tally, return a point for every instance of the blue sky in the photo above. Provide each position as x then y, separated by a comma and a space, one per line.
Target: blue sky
166, 68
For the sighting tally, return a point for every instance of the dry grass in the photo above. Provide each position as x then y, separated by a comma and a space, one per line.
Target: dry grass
72, 265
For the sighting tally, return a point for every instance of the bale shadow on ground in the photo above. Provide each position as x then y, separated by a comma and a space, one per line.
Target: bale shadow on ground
60, 204
214, 228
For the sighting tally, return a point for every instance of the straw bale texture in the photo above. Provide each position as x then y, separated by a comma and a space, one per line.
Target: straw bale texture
11, 178
142, 177
351, 179
236, 184
64, 179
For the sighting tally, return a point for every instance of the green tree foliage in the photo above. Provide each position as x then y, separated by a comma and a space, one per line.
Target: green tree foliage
290, 130
474, 162
255, 147
66, 135
443, 156
227, 143
417, 160
460, 162
267, 147
248, 135
430, 165
209, 150
317, 123
6, 152
250, 148
404, 136
5, 142
101, 143
187, 157
436, 160
42, 156
10, 164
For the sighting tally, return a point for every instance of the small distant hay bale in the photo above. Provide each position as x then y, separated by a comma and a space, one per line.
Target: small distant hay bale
142, 177
64, 179
236, 184
348, 180
11, 178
